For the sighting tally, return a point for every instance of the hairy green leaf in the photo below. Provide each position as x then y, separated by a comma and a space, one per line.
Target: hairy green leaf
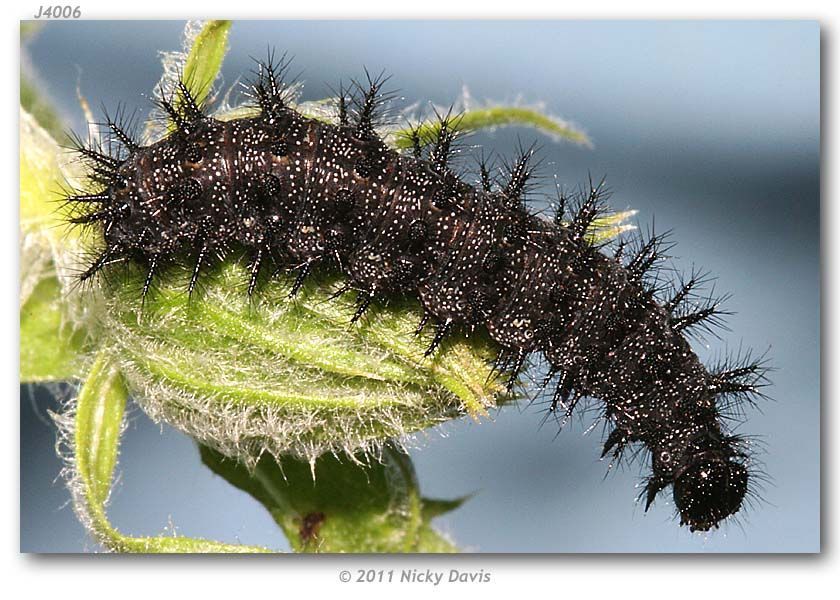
287, 377
94, 435
50, 349
491, 117
50, 344
357, 504
40, 176
205, 58
609, 226
99, 413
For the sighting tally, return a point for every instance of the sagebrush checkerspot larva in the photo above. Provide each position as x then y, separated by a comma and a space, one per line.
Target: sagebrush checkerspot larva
300, 194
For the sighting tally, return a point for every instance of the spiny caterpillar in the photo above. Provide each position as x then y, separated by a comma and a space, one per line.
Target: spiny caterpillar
299, 194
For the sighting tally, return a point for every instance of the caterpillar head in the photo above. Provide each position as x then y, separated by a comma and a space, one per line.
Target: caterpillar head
709, 490
709, 477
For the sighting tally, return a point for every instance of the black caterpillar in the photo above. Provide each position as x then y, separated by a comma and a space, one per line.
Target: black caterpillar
297, 193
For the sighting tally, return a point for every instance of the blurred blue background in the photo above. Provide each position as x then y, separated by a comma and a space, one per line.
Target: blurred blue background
713, 127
